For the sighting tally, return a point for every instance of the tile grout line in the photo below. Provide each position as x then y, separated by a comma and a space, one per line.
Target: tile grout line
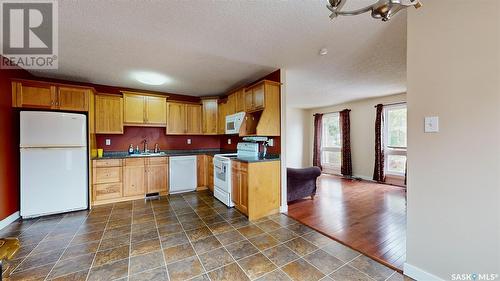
100, 241
65, 249
159, 237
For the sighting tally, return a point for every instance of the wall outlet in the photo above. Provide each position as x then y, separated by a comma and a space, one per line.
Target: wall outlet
270, 142
228, 141
188, 141
431, 124
108, 141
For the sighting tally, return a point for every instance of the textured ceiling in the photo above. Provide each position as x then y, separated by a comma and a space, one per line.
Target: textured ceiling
208, 47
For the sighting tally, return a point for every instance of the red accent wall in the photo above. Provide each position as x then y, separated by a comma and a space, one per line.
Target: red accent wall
135, 136
276, 149
9, 144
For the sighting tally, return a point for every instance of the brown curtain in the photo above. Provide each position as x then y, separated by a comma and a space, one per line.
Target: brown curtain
318, 128
345, 125
378, 173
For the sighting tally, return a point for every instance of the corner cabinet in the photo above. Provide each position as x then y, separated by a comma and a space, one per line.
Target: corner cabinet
184, 118
256, 188
43, 95
108, 114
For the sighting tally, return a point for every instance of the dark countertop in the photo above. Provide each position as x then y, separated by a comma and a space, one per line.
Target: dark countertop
124, 154
271, 157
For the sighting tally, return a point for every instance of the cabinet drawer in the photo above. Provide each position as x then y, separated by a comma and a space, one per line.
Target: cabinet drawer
158, 160
134, 162
107, 191
108, 163
108, 175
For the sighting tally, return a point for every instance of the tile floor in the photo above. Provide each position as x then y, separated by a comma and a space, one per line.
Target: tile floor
183, 237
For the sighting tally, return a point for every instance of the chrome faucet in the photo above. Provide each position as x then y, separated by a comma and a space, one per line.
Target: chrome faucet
146, 149
265, 145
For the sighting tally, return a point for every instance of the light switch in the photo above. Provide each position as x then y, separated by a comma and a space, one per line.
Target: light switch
188, 141
228, 141
108, 141
431, 124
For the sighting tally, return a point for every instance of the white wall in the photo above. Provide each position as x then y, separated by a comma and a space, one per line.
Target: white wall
454, 175
297, 138
362, 131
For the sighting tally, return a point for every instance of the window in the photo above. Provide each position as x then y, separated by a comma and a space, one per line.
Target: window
331, 143
395, 139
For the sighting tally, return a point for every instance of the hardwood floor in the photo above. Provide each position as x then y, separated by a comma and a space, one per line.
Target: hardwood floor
368, 217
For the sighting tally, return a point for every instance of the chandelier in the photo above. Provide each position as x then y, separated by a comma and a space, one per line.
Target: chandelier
382, 9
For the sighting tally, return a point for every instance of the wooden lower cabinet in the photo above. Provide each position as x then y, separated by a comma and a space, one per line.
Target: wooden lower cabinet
256, 188
210, 173
116, 180
202, 172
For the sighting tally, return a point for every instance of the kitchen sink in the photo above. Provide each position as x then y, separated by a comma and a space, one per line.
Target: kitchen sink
148, 154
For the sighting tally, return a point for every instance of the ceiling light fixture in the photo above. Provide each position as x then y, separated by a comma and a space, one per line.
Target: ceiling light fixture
150, 78
323, 52
382, 9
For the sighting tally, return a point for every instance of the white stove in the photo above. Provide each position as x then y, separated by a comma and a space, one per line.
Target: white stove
222, 170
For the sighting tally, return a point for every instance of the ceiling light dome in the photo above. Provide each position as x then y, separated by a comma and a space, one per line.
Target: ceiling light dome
150, 78
382, 9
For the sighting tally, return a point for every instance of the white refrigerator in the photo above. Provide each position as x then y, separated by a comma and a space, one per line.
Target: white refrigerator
54, 163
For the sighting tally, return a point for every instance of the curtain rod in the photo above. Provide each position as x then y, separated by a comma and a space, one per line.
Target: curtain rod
394, 103
330, 112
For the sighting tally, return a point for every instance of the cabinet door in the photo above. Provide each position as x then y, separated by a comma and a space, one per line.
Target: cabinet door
249, 100
231, 104
108, 114
134, 177
157, 178
235, 186
75, 99
243, 191
134, 109
34, 95
240, 101
210, 117
222, 118
202, 170
210, 173
156, 110
258, 96
176, 118
193, 119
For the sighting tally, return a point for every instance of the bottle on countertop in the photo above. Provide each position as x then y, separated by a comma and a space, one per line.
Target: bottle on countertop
131, 149
157, 148
137, 150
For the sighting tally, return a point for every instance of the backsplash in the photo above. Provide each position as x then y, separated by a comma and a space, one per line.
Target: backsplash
276, 149
135, 136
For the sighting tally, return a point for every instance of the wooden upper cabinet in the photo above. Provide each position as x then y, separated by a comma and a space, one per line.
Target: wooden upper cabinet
210, 116
193, 119
176, 118
156, 108
231, 104
43, 95
222, 118
144, 110
74, 99
134, 109
255, 97
108, 114
239, 100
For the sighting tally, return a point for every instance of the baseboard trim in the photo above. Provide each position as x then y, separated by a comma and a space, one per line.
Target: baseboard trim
419, 274
8, 220
284, 209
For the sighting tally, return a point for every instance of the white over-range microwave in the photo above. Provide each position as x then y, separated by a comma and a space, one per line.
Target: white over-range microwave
233, 122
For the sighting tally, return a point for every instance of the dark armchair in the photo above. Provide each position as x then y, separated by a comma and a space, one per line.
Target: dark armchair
301, 182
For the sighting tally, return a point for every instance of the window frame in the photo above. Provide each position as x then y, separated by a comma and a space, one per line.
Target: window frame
393, 150
328, 167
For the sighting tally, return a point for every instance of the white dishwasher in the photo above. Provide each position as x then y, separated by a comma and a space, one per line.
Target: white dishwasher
182, 174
